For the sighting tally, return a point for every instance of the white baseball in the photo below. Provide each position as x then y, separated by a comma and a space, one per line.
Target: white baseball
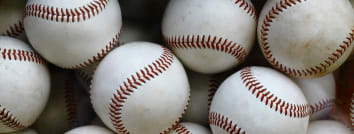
306, 38
25, 85
189, 128
67, 107
203, 88
26, 131
259, 100
11, 14
320, 94
73, 34
91, 129
210, 36
140, 88
328, 127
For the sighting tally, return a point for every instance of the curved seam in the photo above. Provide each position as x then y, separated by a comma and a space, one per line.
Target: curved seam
70, 103
180, 129
223, 122
131, 84
9, 120
99, 55
322, 104
20, 55
213, 86
247, 7
269, 99
57, 14
14, 30
207, 42
310, 71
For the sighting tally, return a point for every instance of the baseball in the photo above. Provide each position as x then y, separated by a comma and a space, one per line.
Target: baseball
203, 88
328, 127
67, 107
26, 131
258, 100
73, 34
91, 129
11, 14
306, 38
210, 36
320, 94
140, 88
189, 128
25, 85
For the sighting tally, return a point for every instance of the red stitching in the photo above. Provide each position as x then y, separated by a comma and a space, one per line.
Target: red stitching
271, 100
85, 76
64, 14
20, 55
225, 123
9, 120
180, 129
248, 7
207, 42
320, 105
14, 30
104, 51
311, 71
136, 80
70, 102
213, 86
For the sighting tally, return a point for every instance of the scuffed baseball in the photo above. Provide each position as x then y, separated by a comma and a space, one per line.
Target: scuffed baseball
320, 94
11, 14
91, 129
203, 88
73, 34
68, 107
189, 128
328, 127
140, 87
258, 100
210, 36
306, 38
25, 85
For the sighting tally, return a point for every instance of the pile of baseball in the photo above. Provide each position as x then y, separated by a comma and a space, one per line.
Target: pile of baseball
176, 67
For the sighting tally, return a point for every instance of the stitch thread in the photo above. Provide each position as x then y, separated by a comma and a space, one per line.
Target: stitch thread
131, 84
9, 120
213, 86
85, 76
270, 99
321, 67
180, 129
70, 102
14, 30
20, 55
104, 51
243, 4
66, 14
320, 105
224, 123
207, 42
